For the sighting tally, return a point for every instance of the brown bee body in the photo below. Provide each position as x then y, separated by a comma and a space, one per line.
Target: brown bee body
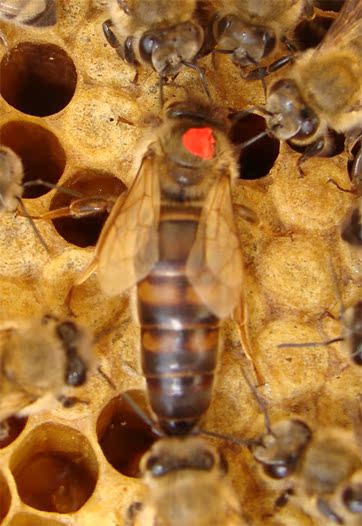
179, 334
323, 90
250, 31
163, 35
41, 361
320, 471
174, 235
187, 485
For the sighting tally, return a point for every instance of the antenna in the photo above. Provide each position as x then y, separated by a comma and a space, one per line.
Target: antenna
26, 214
141, 413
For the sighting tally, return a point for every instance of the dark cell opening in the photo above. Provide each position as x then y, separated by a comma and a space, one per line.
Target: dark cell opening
10, 429
255, 160
85, 231
55, 469
40, 151
123, 436
37, 79
310, 33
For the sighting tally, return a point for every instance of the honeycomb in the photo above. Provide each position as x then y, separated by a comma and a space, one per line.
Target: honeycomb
69, 108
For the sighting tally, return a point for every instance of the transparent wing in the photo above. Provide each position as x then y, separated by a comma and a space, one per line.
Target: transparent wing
346, 28
128, 246
214, 266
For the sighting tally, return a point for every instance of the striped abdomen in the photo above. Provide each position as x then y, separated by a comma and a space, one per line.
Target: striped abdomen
179, 335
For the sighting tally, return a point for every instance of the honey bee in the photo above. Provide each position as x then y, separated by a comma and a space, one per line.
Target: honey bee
37, 13
321, 470
323, 90
162, 34
187, 483
249, 31
11, 188
174, 236
41, 361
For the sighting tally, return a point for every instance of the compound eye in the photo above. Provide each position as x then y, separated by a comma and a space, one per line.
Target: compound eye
352, 498
281, 469
147, 44
269, 42
155, 466
309, 123
205, 461
76, 374
221, 26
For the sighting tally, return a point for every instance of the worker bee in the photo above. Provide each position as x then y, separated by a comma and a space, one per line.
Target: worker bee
41, 361
37, 13
187, 484
323, 89
250, 31
174, 236
321, 470
162, 34
11, 188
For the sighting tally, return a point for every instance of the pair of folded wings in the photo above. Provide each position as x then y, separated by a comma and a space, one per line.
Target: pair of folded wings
128, 247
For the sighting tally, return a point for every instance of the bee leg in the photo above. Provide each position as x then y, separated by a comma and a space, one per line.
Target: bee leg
87, 272
124, 5
112, 39
288, 44
70, 401
240, 316
125, 50
261, 73
132, 512
352, 138
201, 73
83, 207
313, 150
356, 171
283, 499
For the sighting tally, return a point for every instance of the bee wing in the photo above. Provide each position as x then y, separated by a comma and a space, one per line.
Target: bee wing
346, 28
128, 246
214, 266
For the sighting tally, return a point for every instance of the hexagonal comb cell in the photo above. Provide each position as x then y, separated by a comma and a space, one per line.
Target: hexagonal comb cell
55, 469
123, 436
5, 497
84, 231
37, 79
257, 159
41, 153
10, 429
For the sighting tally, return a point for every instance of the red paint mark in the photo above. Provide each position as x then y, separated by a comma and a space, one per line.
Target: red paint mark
199, 142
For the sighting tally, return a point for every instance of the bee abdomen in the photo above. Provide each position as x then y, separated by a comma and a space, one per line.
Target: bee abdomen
179, 333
